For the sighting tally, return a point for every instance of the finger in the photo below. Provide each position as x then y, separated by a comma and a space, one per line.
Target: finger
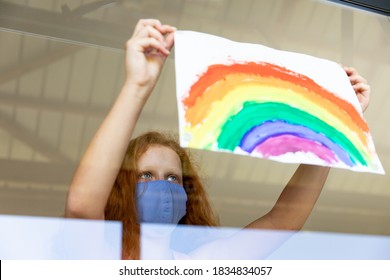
349, 70
146, 22
165, 29
361, 88
149, 31
148, 44
169, 41
355, 79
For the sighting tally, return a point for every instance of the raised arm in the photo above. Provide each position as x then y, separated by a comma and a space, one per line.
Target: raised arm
146, 52
298, 198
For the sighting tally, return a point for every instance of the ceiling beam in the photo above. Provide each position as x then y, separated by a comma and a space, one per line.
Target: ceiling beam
66, 27
31, 139
22, 171
90, 110
72, 27
23, 68
52, 105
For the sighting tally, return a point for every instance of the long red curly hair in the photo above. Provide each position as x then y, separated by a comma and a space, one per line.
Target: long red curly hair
121, 205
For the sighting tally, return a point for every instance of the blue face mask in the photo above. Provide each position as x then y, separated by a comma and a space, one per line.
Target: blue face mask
160, 202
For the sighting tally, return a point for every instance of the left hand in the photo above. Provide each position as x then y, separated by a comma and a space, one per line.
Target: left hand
360, 85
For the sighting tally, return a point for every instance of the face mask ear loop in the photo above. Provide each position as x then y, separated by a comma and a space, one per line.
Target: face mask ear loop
144, 187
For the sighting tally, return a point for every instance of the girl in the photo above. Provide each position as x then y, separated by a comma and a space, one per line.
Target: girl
151, 178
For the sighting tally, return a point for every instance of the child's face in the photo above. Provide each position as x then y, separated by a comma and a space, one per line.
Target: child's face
160, 163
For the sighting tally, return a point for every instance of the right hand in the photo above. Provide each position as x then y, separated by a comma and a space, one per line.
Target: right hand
146, 52
360, 86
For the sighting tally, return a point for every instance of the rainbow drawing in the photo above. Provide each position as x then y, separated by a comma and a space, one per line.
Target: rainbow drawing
263, 108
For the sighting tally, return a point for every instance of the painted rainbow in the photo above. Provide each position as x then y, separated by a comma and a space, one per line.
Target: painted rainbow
266, 110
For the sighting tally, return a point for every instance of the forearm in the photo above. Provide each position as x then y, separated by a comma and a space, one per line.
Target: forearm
297, 199
96, 173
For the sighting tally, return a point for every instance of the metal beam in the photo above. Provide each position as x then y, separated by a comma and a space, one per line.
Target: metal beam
70, 26
51, 105
65, 27
36, 172
70, 108
32, 140
36, 63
